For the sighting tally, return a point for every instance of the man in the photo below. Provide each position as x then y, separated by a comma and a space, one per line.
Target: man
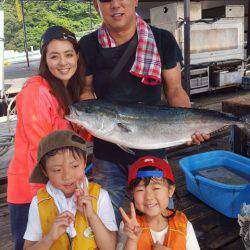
155, 62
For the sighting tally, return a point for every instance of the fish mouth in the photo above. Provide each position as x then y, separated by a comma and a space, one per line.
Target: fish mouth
102, 130
73, 119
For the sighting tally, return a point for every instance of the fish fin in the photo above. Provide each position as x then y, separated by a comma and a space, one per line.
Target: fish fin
123, 127
128, 150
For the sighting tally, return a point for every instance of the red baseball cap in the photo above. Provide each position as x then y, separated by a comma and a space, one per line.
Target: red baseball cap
148, 161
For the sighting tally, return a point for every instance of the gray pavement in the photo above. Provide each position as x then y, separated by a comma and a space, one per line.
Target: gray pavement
15, 74
20, 70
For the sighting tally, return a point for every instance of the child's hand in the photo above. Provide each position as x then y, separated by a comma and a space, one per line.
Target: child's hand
83, 199
131, 227
158, 246
60, 225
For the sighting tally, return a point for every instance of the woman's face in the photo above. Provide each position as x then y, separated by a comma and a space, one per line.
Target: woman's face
61, 59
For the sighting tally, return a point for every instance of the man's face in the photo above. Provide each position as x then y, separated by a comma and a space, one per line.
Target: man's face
118, 15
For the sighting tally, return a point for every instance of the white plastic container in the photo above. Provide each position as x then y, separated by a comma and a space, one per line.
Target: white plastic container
212, 42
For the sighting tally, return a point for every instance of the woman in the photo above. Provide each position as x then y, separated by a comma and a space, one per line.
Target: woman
41, 107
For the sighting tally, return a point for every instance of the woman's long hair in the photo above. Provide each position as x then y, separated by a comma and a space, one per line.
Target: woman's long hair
70, 94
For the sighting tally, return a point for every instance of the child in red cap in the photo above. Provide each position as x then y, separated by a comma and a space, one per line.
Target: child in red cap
151, 225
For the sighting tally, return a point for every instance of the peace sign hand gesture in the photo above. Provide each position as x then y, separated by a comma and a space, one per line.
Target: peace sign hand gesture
83, 199
131, 227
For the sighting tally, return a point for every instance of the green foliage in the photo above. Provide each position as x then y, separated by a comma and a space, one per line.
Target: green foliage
39, 15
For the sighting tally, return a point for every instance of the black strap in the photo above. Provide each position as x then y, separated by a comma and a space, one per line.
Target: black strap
120, 65
124, 59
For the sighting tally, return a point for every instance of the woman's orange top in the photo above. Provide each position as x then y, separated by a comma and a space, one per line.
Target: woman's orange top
38, 113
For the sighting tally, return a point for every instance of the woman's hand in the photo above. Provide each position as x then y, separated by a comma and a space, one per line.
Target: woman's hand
83, 199
131, 227
60, 225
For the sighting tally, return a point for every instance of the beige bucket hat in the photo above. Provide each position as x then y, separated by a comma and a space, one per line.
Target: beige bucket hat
55, 140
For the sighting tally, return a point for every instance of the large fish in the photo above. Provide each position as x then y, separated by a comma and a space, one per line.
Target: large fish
141, 126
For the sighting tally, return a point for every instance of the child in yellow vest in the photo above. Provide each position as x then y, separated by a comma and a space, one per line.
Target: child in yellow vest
150, 224
69, 212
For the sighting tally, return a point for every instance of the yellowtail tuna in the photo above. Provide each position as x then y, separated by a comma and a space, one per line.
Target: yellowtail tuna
141, 126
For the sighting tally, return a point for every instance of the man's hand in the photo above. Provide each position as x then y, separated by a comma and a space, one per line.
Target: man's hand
131, 227
198, 138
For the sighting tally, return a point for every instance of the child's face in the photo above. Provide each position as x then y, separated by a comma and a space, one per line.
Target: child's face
153, 199
64, 171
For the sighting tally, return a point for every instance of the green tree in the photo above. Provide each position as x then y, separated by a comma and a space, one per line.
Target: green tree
39, 15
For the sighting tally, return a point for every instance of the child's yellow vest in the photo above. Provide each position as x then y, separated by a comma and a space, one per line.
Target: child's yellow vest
48, 212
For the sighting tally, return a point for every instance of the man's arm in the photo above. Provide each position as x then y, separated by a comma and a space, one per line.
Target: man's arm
173, 90
88, 92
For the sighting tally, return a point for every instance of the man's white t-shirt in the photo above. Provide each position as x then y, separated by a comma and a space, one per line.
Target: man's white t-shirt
191, 240
104, 210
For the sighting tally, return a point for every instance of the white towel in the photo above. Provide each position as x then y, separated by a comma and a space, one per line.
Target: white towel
63, 204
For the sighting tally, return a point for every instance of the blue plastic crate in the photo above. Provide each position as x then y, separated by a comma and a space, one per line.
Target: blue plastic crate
225, 198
